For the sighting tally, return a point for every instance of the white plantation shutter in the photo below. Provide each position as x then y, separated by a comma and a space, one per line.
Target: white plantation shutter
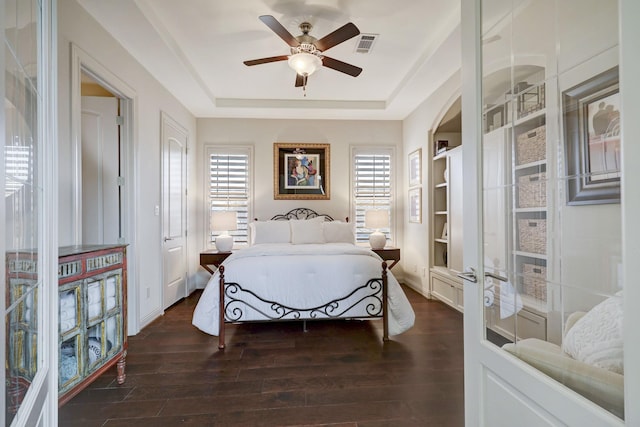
18, 168
372, 187
229, 188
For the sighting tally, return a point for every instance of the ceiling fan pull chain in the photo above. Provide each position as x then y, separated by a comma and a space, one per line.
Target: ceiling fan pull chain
304, 85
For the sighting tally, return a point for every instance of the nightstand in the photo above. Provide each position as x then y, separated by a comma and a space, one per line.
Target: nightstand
389, 254
212, 257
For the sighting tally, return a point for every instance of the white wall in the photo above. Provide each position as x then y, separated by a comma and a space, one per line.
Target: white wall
415, 130
262, 133
77, 27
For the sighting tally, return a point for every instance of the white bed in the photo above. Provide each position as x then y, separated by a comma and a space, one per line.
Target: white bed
295, 277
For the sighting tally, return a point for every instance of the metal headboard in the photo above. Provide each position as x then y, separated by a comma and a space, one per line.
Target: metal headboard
301, 213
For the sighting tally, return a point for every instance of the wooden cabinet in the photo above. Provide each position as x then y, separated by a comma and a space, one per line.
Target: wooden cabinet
22, 292
92, 299
447, 289
92, 309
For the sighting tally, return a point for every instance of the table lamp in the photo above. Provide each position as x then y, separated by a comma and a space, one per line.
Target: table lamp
224, 221
376, 219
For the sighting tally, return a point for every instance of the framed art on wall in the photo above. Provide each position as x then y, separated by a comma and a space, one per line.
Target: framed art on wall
415, 167
301, 171
592, 140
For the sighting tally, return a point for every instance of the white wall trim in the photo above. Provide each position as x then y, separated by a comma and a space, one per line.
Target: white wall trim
396, 198
630, 90
240, 148
146, 320
443, 111
416, 286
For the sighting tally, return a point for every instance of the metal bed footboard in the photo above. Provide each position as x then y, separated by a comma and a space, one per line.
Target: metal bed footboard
236, 300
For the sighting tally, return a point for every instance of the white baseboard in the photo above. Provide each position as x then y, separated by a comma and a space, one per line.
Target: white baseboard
418, 287
150, 318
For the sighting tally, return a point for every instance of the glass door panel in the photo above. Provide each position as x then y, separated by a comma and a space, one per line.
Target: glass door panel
551, 230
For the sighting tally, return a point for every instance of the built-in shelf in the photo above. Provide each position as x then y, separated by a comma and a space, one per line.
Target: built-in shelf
440, 269
440, 155
441, 212
535, 210
534, 305
441, 240
540, 114
531, 255
531, 165
441, 185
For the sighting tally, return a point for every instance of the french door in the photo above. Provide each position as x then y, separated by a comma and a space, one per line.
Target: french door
28, 213
522, 64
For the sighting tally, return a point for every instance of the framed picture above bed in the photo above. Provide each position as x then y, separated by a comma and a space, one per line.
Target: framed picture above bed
301, 171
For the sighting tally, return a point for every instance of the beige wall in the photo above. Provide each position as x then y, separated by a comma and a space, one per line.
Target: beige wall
416, 128
77, 27
262, 133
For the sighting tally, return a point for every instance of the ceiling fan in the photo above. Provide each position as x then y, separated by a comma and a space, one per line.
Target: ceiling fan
307, 51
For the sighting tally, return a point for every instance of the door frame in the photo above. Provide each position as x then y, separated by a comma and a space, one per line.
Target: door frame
548, 399
81, 62
629, 10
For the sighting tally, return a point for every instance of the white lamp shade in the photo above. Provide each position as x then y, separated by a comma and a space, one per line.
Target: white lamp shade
376, 219
224, 220
304, 63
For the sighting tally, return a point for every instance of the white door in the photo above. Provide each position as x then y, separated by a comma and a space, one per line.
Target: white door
581, 249
174, 249
100, 170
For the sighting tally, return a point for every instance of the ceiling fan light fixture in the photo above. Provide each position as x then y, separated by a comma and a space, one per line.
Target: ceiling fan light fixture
304, 63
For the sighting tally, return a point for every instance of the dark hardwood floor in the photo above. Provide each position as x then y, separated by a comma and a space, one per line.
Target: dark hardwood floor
339, 373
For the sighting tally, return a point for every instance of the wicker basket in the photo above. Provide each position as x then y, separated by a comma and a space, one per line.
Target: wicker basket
532, 190
534, 281
531, 146
532, 235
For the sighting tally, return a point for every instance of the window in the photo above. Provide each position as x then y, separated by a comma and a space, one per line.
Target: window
229, 187
372, 187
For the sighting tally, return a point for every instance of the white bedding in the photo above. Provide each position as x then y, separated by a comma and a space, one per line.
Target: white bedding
303, 276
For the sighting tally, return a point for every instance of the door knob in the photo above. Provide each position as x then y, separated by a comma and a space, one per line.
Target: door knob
469, 275
496, 276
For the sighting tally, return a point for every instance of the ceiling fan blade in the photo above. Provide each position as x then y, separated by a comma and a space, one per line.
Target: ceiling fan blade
340, 35
299, 80
343, 67
281, 31
266, 60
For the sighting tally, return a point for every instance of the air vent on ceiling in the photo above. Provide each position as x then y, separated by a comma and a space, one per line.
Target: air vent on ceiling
366, 42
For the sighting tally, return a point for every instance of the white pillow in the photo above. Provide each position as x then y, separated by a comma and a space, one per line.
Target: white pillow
338, 232
596, 338
319, 219
306, 231
270, 232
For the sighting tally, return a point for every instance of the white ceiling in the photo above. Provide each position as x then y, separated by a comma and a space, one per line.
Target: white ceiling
196, 49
